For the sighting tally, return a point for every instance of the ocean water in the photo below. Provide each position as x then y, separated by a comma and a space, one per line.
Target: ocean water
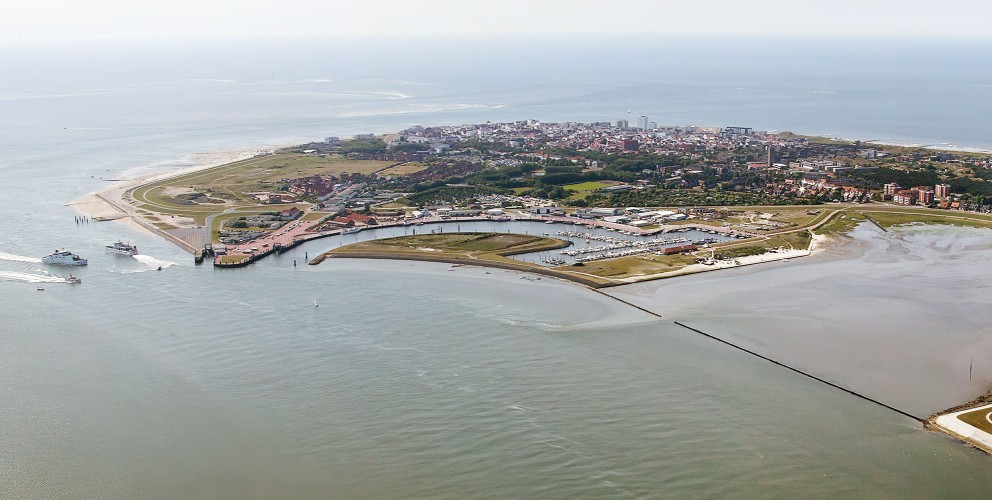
418, 380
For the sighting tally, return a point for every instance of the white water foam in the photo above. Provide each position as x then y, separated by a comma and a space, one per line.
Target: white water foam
151, 262
19, 258
29, 278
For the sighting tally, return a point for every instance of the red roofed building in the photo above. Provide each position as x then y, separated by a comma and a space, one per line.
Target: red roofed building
362, 219
343, 222
290, 213
351, 219
679, 249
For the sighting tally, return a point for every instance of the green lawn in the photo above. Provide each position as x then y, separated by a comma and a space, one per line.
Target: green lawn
582, 190
641, 265
585, 186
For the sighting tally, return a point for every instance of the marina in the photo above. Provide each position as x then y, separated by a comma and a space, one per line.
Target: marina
598, 243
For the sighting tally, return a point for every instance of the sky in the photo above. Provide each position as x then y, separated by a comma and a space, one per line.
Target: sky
23, 21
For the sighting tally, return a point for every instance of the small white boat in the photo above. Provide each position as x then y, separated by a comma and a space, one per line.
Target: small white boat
121, 248
72, 279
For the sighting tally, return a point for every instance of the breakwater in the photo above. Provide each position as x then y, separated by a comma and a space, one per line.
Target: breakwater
801, 372
508, 265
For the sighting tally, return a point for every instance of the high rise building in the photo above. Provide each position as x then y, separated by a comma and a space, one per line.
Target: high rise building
643, 123
942, 190
925, 195
890, 189
622, 123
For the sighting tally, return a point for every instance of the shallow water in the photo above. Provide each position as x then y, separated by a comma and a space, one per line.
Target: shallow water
897, 315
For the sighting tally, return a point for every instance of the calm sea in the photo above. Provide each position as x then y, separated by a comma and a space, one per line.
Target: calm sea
414, 380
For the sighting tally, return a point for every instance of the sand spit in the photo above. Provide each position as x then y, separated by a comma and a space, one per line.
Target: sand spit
109, 202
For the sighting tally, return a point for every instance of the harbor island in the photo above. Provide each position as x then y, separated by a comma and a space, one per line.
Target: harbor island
598, 204
769, 196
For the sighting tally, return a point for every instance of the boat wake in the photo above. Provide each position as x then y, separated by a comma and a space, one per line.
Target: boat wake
19, 258
151, 263
20, 277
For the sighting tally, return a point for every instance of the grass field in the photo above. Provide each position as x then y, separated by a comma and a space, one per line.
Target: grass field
796, 240
459, 243
585, 186
226, 186
219, 221
978, 418
582, 190
743, 251
841, 224
404, 169
235, 179
641, 265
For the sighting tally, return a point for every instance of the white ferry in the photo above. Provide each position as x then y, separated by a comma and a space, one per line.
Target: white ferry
121, 248
64, 258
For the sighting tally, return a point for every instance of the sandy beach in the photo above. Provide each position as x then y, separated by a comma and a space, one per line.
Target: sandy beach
110, 203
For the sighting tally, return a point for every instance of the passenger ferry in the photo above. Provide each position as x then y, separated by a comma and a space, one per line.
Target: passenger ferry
121, 248
64, 258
